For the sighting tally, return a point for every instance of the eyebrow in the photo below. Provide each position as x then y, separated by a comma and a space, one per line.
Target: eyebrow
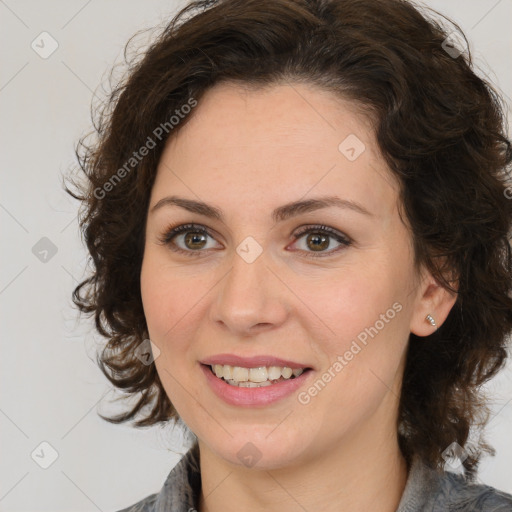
280, 214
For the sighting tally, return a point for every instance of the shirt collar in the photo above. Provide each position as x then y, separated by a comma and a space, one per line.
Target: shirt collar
182, 488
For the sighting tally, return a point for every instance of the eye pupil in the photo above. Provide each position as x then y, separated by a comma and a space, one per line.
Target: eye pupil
192, 239
320, 242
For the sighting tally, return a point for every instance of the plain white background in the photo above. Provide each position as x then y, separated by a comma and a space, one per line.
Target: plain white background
51, 388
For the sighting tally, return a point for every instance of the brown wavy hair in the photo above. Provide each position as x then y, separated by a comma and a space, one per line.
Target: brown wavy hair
440, 128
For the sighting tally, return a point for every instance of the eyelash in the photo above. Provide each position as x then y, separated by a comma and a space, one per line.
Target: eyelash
173, 231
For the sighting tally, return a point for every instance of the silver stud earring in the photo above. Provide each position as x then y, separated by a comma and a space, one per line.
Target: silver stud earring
431, 321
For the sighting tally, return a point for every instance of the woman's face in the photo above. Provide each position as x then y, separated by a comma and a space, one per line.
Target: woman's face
339, 300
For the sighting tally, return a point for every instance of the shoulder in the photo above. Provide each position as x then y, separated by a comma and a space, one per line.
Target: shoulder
181, 490
145, 505
457, 494
429, 490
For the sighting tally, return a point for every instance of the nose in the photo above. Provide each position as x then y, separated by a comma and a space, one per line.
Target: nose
250, 299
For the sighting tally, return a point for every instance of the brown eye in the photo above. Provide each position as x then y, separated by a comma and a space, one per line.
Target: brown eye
317, 239
195, 241
189, 239
317, 242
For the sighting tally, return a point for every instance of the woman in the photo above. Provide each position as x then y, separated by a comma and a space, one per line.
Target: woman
298, 216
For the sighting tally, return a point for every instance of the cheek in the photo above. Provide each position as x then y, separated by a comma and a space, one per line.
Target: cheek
365, 321
171, 308
368, 301
166, 289
170, 304
350, 301
157, 298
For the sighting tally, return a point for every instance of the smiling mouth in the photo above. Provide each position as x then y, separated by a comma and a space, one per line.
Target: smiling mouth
256, 377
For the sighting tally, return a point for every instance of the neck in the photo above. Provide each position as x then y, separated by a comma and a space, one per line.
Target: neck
343, 478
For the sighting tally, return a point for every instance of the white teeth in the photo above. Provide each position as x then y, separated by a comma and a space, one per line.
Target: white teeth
240, 374
250, 384
258, 374
274, 372
254, 377
218, 369
286, 372
228, 372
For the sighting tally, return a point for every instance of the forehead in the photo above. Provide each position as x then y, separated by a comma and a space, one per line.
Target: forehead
275, 144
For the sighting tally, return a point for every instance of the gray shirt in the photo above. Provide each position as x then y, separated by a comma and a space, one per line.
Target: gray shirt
425, 490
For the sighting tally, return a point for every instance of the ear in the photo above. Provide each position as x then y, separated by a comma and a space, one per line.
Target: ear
431, 299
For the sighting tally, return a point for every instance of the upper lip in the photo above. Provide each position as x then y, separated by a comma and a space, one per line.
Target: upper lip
251, 362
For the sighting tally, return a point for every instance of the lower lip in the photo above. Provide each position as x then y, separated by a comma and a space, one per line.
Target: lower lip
249, 397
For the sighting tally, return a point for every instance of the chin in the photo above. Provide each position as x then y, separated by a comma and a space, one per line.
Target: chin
257, 449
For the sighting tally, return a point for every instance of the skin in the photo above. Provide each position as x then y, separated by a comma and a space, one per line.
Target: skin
247, 152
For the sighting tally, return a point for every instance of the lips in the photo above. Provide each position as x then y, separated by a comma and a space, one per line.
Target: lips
252, 397
253, 361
